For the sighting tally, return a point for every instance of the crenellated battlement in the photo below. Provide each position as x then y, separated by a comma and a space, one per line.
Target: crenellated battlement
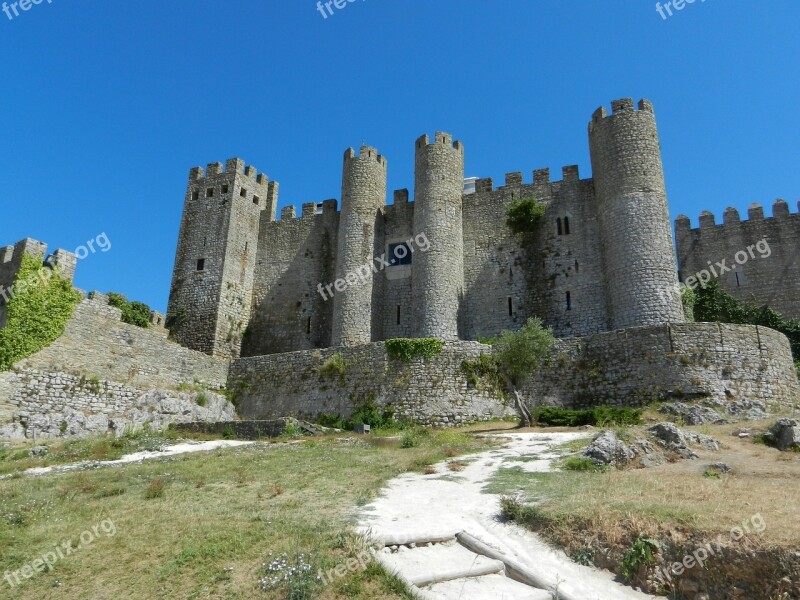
618, 107
755, 212
365, 153
232, 166
569, 174
440, 138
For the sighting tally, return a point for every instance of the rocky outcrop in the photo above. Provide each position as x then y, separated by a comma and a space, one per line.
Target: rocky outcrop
784, 434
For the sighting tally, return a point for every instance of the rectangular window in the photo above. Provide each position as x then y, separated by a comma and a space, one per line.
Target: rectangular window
398, 314
225, 188
243, 193
510, 307
308, 325
256, 199
569, 301
210, 193
399, 254
201, 264
195, 195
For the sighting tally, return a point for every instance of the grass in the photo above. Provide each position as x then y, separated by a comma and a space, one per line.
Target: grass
672, 496
208, 525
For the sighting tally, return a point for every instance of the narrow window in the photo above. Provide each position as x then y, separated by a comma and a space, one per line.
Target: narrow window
738, 283
204, 242
510, 307
201, 264
566, 225
243, 193
400, 254
569, 301
225, 188
256, 199
245, 246
398, 314
558, 225
577, 267
210, 193
195, 195
308, 325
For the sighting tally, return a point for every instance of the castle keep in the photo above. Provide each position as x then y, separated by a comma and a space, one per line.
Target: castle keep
602, 258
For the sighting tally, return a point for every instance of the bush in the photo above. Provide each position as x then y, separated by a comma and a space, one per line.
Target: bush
638, 556
202, 399
413, 437
577, 463
407, 349
603, 416
334, 367
523, 215
37, 313
133, 313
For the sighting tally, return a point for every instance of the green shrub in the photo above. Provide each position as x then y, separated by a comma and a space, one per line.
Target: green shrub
228, 432
201, 399
523, 215
640, 554
513, 509
577, 463
518, 354
133, 313
603, 416
407, 349
689, 299
334, 367
413, 437
36, 314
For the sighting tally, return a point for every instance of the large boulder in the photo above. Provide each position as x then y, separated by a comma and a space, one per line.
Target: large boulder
678, 440
784, 434
607, 449
738, 410
692, 414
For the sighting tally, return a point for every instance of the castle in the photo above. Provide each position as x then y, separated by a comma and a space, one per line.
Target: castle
246, 284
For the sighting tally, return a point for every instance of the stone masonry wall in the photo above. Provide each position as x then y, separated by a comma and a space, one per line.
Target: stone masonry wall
634, 367
42, 404
96, 343
431, 392
771, 278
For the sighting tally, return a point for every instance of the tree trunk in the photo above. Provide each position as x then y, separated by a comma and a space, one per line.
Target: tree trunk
524, 413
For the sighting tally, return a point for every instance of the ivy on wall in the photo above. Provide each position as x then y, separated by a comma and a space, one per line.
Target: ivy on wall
522, 215
37, 313
406, 349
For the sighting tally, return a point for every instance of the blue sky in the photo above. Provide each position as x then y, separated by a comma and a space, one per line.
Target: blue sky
106, 106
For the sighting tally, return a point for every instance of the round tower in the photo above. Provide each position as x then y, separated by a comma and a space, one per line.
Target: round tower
438, 274
363, 196
638, 255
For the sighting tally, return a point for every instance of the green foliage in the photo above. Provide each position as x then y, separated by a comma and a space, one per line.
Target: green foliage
689, 299
512, 509
133, 313
577, 463
366, 413
407, 349
583, 556
797, 366
334, 367
523, 215
413, 437
177, 318
485, 369
201, 399
520, 353
602, 416
37, 313
292, 429
715, 305
712, 474
155, 489
637, 556
228, 432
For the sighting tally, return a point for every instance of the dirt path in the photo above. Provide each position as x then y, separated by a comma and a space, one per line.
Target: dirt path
441, 534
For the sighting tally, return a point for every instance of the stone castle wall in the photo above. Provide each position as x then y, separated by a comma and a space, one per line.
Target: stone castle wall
634, 367
759, 279
96, 343
431, 392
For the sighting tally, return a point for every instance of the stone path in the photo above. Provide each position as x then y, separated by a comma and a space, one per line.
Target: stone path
441, 535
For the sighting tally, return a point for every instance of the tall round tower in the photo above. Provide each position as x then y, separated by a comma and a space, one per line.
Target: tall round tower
438, 274
639, 268
363, 196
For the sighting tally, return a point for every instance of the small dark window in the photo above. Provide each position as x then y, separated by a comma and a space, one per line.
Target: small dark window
738, 283
577, 267
204, 242
558, 226
195, 195
201, 264
569, 301
256, 199
510, 307
398, 314
399, 254
308, 325
243, 193
210, 193
245, 246
566, 225
225, 188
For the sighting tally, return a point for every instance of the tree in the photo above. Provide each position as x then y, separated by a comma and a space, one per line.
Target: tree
519, 354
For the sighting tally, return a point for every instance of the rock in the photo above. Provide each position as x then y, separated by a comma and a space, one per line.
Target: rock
678, 440
719, 467
607, 449
744, 409
784, 434
12, 431
38, 451
692, 415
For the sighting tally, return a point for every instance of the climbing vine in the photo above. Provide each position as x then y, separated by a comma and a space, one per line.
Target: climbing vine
406, 349
37, 313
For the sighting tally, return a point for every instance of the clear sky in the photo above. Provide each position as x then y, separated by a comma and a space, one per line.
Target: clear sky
107, 105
